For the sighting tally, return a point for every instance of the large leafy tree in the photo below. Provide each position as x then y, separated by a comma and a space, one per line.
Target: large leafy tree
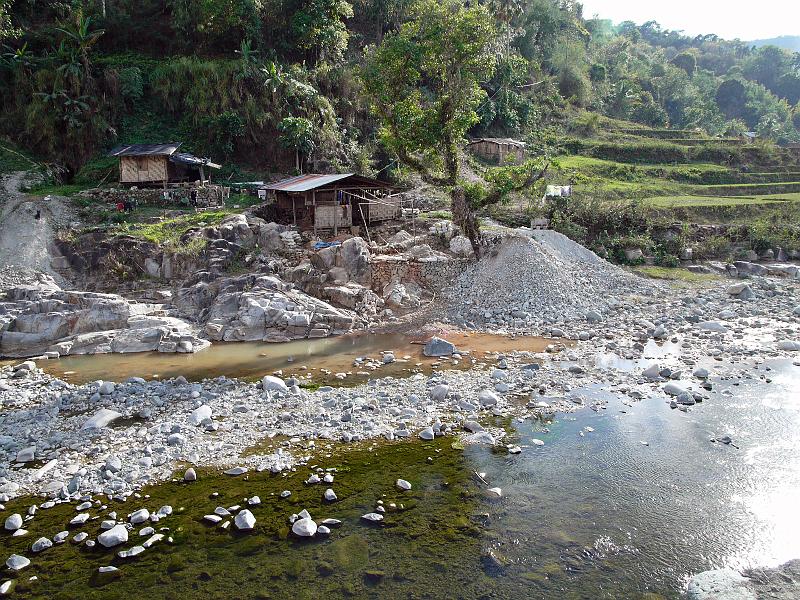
424, 83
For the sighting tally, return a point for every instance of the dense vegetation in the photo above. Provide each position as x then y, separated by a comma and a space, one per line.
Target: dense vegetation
278, 84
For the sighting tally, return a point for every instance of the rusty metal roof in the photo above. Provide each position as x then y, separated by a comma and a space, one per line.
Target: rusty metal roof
304, 183
313, 181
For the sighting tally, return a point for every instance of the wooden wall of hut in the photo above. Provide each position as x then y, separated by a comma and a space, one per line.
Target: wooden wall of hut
143, 169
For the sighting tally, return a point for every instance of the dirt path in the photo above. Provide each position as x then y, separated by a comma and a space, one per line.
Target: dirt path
25, 241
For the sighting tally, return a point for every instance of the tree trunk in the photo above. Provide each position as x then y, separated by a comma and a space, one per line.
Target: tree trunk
297, 161
465, 218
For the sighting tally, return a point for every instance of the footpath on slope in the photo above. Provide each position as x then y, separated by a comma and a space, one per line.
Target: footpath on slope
25, 241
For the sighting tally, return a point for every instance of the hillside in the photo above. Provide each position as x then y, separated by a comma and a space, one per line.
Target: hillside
252, 84
787, 42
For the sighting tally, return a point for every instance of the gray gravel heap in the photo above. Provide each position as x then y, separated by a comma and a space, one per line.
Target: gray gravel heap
542, 278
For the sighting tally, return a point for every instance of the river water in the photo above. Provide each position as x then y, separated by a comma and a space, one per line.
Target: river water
626, 501
317, 360
597, 509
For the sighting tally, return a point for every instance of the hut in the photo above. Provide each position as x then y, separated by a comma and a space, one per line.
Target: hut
332, 202
498, 149
160, 164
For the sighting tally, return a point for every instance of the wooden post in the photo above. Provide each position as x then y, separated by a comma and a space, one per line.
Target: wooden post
335, 213
294, 213
202, 175
314, 206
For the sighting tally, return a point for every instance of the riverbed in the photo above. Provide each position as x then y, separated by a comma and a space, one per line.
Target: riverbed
626, 500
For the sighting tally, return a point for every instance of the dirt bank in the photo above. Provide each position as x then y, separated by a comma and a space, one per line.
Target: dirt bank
26, 242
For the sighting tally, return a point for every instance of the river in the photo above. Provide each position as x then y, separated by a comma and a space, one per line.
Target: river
626, 501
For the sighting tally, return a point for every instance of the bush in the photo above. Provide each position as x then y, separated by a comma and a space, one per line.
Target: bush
573, 85
716, 246
667, 260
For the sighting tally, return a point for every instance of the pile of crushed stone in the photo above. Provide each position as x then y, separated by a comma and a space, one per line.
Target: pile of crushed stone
541, 277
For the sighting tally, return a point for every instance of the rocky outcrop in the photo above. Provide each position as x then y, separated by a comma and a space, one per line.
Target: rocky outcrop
232, 240
34, 321
260, 308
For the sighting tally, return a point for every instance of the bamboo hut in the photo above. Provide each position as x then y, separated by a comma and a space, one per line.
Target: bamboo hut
160, 164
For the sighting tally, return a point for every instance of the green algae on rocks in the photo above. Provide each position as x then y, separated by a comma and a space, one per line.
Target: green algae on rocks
433, 526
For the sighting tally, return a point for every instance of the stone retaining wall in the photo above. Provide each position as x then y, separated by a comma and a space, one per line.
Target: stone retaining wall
430, 274
207, 196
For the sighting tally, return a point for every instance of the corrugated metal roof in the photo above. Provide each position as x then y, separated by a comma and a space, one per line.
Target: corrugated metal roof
146, 149
304, 183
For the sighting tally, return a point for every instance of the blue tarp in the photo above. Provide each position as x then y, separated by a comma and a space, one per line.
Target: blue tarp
321, 245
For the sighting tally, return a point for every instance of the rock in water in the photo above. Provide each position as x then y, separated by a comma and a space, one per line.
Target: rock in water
673, 389
330, 495
403, 484
140, 516
190, 475
245, 520
16, 562
720, 584
652, 372
42, 543
304, 527
427, 433
373, 517
113, 537
438, 347
13, 522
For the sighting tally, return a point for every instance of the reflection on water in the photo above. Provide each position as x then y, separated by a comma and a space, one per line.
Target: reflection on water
602, 511
319, 359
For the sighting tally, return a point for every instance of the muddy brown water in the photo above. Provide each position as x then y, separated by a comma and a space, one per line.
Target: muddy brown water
317, 361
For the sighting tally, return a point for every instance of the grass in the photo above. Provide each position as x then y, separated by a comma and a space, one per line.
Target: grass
436, 214
675, 274
169, 232
12, 159
713, 201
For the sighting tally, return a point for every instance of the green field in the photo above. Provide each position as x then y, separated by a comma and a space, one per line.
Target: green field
728, 201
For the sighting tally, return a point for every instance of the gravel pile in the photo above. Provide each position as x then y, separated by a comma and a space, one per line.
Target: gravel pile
542, 279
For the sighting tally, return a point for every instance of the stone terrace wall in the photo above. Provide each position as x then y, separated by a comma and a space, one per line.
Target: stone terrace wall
431, 274
209, 195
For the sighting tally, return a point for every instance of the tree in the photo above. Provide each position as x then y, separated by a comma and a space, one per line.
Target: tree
686, 61
789, 87
732, 99
767, 65
319, 28
297, 133
424, 83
